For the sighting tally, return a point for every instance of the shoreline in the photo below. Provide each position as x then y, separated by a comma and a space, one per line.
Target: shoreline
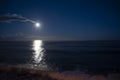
16, 73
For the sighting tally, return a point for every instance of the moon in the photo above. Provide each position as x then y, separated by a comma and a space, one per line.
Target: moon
37, 24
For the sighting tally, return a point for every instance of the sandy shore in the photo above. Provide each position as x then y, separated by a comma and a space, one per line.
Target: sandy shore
15, 73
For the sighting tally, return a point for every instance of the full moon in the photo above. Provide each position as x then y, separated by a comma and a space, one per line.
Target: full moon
37, 24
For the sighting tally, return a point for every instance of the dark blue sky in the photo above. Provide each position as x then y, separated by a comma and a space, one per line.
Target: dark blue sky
76, 19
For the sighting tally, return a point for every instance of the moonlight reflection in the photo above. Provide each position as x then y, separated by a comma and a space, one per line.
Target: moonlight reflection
38, 51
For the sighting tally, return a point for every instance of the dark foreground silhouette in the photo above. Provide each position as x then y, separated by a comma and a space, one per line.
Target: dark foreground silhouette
15, 73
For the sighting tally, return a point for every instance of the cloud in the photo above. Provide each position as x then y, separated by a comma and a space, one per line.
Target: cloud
15, 17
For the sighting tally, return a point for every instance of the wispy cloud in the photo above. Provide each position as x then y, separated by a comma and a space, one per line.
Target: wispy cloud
14, 17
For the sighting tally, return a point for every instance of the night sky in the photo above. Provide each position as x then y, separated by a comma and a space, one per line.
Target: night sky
64, 19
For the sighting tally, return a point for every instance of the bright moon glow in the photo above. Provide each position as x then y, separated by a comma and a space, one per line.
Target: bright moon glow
37, 24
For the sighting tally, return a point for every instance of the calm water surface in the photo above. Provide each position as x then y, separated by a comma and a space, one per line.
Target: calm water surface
84, 56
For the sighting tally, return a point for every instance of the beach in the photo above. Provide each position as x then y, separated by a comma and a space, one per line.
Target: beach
14, 73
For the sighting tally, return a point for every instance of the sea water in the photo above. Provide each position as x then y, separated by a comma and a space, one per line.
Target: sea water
97, 57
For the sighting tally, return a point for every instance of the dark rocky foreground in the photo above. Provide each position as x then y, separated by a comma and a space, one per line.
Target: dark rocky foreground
15, 73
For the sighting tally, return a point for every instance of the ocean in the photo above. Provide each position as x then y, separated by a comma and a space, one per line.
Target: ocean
94, 57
